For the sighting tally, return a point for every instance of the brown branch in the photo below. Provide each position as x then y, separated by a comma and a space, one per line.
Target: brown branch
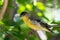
31, 33
56, 37
3, 9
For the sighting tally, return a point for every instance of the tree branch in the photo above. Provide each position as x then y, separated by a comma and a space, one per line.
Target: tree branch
3, 9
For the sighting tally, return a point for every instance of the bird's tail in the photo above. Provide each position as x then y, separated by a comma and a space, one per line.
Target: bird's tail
52, 32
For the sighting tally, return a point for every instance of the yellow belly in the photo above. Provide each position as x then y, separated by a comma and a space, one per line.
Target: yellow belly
31, 25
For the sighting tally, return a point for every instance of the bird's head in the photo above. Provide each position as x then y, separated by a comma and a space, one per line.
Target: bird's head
23, 14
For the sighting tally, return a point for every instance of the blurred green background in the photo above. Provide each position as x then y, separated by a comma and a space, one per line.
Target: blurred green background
13, 28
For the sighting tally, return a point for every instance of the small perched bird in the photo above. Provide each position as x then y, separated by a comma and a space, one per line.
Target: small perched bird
34, 23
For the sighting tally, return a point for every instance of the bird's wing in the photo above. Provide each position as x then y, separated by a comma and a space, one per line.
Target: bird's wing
40, 22
44, 24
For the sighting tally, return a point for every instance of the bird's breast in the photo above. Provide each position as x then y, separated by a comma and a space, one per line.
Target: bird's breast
30, 24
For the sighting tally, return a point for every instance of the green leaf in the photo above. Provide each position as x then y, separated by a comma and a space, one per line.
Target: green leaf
29, 7
1, 2
21, 8
1, 22
40, 5
39, 14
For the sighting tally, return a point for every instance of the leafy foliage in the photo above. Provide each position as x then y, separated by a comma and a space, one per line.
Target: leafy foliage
11, 30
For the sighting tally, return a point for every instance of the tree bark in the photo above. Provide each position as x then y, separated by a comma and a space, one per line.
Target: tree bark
11, 11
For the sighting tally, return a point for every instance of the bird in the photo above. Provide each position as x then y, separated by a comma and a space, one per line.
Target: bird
34, 23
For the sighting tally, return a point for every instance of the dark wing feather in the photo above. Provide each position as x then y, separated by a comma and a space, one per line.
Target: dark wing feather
42, 23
